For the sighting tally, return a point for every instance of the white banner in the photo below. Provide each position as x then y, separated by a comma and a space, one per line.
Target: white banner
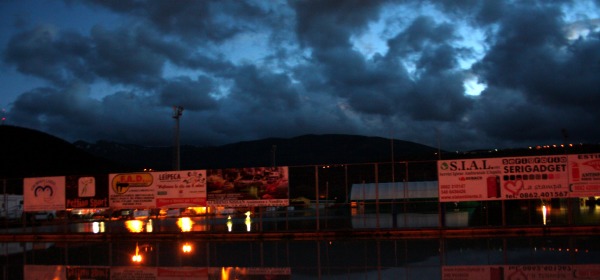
44, 194
535, 177
518, 272
132, 191
469, 179
584, 171
179, 189
168, 189
539, 177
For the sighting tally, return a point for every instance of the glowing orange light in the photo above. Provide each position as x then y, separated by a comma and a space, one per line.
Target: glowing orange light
149, 226
185, 224
225, 272
137, 258
187, 248
134, 225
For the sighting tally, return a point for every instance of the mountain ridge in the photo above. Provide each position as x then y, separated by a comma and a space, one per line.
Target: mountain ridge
310, 149
31, 153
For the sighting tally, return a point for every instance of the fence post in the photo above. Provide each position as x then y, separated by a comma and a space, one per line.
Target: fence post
317, 195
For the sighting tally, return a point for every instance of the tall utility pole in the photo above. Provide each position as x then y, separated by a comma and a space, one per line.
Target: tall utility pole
177, 112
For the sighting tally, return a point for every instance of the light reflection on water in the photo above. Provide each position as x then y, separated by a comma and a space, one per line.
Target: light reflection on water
446, 259
529, 214
455, 259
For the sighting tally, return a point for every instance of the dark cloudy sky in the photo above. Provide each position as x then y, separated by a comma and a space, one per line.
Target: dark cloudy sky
473, 74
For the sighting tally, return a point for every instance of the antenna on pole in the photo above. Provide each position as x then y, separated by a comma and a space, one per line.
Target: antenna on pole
439, 148
177, 112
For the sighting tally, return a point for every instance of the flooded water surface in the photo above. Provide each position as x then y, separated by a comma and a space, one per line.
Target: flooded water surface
180, 257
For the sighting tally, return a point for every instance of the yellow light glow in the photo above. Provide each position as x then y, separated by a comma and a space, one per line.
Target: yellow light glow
544, 212
198, 210
229, 224
185, 224
187, 248
248, 221
149, 226
134, 225
137, 258
225, 271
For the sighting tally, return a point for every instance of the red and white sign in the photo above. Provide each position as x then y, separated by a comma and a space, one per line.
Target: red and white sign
584, 175
536, 177
521, 272
469, 179
539, 177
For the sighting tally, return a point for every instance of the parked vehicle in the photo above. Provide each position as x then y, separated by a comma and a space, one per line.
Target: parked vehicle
141, 214
12, 206
43, 215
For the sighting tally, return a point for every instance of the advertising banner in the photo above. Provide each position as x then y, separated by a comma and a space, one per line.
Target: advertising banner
133, 272
251, 273
86, 191
182, 273
132, 191
535, 177
44, 194
552, 271
473, 272
248, 187
42, 272
584, 171
179, 189
538, 177
168, 189
517, 272
469, 179
158, 273
88, 272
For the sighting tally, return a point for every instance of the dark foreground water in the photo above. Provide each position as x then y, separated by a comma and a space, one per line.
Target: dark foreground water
567, 257
175, 258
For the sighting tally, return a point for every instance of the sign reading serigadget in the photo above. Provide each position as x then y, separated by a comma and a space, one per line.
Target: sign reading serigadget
538, 177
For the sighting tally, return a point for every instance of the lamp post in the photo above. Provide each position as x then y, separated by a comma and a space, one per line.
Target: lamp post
177, 112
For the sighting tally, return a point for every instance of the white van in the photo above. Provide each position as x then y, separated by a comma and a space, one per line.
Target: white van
11, 206
44, 215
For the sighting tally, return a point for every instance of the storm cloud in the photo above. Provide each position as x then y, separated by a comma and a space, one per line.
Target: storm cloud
472, 74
